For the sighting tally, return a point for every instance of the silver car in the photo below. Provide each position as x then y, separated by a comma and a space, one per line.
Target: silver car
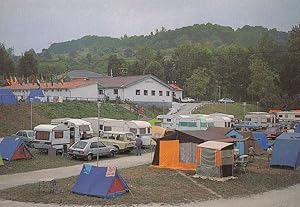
88, 149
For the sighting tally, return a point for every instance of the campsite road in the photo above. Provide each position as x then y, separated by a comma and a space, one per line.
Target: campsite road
187, 108
8, 181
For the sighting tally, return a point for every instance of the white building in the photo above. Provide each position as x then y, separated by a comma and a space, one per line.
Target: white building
144, 89
177, 91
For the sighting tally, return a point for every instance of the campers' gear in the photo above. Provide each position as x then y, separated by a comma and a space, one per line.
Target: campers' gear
103, 182
215, 159
123, 141
12, 148
7, 96
55, 136
286, 150
26, 135
89, 148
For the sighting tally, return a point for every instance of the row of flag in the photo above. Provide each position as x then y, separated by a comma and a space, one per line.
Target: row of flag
10, 80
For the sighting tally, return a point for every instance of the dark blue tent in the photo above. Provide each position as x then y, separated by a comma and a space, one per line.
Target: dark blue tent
35, 95
103, 182
7, 96
12, 148
261, 139
286, 150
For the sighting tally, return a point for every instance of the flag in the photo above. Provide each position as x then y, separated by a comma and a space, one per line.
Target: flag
15, 80
62, 81
27, 80
11, 81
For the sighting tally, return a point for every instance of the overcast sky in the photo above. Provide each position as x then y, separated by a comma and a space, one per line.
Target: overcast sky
26, 24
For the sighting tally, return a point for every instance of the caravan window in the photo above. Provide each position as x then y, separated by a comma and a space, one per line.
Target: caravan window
107, 128
58, 135
84, 128
149, 130
188, 124
203, 124
133, 130
142, 130
40, 135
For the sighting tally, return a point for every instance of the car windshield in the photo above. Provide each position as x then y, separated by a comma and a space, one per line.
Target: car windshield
80, 145
30, 134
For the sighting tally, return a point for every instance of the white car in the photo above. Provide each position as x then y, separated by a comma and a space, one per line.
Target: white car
226, 100
187, 100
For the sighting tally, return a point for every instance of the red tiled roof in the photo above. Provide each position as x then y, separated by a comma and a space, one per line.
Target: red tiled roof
175, 87
66, 85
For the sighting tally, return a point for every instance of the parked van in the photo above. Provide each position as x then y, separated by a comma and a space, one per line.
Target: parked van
55, 136
85, 127
122, 141
141, 128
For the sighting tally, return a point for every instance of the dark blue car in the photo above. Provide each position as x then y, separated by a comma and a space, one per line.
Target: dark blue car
248, 125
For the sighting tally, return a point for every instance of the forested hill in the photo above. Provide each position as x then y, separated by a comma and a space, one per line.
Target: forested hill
164, 39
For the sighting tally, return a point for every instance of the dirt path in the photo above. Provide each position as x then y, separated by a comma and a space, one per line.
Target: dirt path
8, 181
187, 108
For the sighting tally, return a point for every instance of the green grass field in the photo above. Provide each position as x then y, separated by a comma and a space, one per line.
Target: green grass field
15, 117
236, 109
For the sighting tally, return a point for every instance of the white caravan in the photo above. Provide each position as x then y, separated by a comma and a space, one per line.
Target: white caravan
263, 118
288, 116
55, 136
194, 122
167, 121
85, 127
221, 121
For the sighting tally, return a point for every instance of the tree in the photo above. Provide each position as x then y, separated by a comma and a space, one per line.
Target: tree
89, 58
28, 63
7, 64
197, 85
155, 68
264, 84
114, 65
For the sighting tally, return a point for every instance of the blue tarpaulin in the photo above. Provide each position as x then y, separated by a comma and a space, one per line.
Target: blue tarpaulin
297, 129
261, 139
35, 95
104, 182
7, 96
286, 150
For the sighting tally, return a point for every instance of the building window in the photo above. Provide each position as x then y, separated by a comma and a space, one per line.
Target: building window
100, 92
145, 92
160, 93
173, 93
116, 91
66, 89
167, 93
169, 120
153, 93
137, 92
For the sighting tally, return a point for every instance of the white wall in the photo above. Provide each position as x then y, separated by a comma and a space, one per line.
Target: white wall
148, 84
178, 94
89, 91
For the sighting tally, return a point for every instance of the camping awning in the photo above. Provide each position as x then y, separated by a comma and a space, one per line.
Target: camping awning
214, 145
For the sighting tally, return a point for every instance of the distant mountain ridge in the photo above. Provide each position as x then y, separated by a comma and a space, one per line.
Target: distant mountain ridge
215, 34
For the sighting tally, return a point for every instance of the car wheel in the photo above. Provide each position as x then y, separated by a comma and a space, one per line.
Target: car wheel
117, 149
89, 157
112, 154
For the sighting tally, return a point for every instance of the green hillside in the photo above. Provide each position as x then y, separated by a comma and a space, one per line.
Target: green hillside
236, 109
15, 117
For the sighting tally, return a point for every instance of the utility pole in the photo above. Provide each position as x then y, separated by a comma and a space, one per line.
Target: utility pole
30, 113
98, 127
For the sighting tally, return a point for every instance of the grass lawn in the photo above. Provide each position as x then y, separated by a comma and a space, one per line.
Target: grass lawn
15, 117
43, 161
147, 184
152, 185
236, 109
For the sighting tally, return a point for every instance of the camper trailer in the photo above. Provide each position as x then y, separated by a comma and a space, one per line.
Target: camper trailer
167, 121
263, 118
55, 136
194, 122
85, 127
288, 116
221, 121
141, 128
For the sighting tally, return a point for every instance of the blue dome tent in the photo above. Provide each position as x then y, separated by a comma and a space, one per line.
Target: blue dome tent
35, 95
7, 96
